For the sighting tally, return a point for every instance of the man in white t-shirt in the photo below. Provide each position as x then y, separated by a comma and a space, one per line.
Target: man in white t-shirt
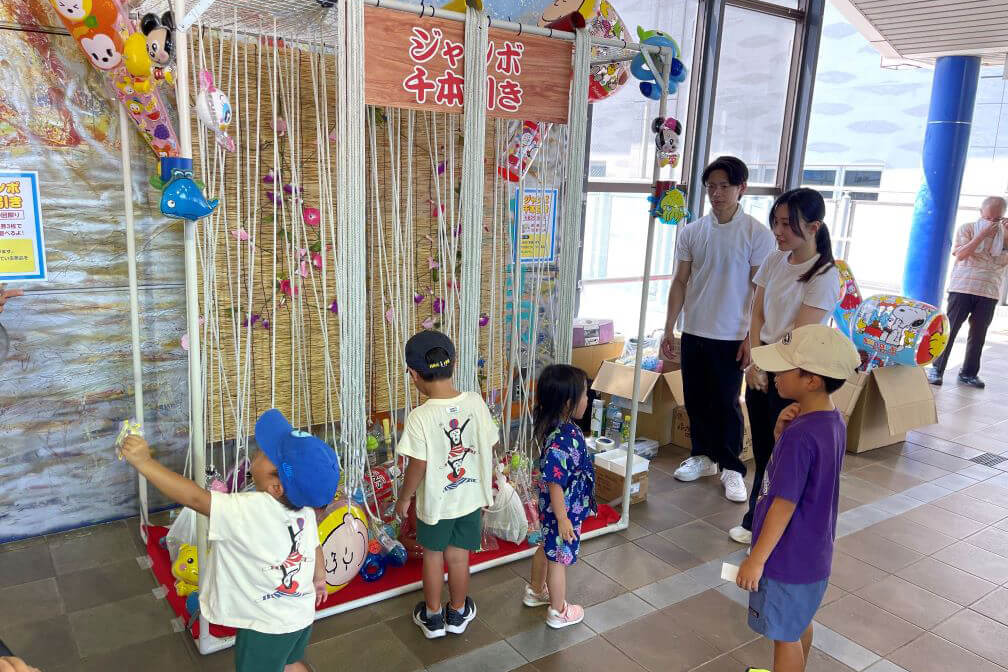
717, 257
265, 573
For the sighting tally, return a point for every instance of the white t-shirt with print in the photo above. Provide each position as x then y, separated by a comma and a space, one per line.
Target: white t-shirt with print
456, 438
722, 258
261, 566
784, 295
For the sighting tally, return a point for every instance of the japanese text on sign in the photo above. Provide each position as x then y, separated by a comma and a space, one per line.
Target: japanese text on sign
22, 249
535, 225
446, 87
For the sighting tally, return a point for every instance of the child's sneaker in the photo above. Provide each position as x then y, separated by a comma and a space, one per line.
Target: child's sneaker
432, 626
534, 599
571, 615
458, 621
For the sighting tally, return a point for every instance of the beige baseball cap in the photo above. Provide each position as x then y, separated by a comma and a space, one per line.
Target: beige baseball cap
815, 348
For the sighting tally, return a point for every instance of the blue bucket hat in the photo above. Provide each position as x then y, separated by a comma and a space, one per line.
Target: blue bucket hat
308, 468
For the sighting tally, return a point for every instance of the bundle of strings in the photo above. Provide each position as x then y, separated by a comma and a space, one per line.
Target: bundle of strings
570, 222
471, 201
351, 250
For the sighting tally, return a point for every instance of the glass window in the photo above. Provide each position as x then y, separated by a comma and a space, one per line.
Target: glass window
613, 261
752, 90
622, 142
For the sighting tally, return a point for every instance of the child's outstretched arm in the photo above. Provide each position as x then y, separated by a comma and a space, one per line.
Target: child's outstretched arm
320, 577
415, 471
776, 522
564, 526
174, 486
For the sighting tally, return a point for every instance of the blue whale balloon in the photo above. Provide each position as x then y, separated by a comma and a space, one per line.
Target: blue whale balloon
182, 198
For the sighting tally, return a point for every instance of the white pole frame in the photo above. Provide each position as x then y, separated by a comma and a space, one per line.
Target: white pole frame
207, 643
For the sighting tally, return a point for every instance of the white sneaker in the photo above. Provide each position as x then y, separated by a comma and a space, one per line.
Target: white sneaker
734, 486
571, 615
695, 467
740, 535
534, 599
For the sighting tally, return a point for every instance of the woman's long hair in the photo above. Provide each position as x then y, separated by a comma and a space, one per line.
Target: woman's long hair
807, 205
558, 392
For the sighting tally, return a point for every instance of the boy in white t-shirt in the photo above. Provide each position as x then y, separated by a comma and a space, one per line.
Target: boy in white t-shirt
450, 441
264, 574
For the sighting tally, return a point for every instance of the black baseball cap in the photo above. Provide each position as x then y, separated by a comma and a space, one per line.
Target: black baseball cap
420, 354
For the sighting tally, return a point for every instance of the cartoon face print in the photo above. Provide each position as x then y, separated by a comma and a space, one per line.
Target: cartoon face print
344, 550
560, 9
75, 10
103, 51
159, 31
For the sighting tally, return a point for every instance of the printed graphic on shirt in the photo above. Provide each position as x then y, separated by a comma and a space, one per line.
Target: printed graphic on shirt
290, 567
457, 453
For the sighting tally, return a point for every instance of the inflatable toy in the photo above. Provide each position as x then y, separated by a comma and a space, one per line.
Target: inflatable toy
522, 150
213, 108
669, 203
374, 565
850, 296
186, 570
890, 330
128, 428
607, 78
343, 532
182, 197
667, 131
644, 65
138, 62
159, 33
99, 27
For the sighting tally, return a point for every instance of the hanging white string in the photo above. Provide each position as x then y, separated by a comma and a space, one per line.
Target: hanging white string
570, 223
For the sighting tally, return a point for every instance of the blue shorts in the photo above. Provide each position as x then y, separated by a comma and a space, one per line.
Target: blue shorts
782, 611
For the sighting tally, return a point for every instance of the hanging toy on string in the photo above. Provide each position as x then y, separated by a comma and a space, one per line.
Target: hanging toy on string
138, 62
669, 203
607, 78
182, 197
850, 296
159, 34
647, 67
667, 131
213, 108
522, 150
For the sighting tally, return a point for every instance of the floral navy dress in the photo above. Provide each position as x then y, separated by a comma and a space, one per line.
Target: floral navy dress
566, 462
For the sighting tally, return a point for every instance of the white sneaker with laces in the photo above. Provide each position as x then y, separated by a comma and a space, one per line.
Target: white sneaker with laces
734, 486
534, 599
571, 615
695, 467
740, 535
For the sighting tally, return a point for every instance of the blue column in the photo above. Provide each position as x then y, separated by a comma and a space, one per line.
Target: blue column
950, 117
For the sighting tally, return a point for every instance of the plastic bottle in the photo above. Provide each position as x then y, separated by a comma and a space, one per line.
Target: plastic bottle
385, 450
614, 423
598, 411
625, 431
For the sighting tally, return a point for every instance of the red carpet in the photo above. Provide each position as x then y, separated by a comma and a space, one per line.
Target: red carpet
394, 576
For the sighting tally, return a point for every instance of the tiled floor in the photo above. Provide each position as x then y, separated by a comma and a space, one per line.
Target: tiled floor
920, 581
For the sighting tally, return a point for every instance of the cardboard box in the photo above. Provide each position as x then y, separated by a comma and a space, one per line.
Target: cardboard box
660, 394
588, 332
590, 358
610, 474
681, 432
883, 405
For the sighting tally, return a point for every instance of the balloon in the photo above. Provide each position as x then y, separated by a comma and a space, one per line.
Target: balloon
607, 79
344, 535
98, 26
641, 69
844, 311
667, 131
138, 62
159, 33
213, 108
186, 570
522, 150
182, 198
890, 330
669, 203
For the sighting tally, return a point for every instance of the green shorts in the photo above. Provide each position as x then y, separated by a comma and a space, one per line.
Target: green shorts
465, 532
260, 652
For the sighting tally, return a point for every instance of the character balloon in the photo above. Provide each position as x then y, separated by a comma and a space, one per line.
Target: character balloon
648, 67
214, 109
607, 78
667, 131
850, 296
889, 330
522, 150
344, 535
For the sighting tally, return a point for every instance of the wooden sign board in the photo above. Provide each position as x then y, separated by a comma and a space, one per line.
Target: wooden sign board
418, 63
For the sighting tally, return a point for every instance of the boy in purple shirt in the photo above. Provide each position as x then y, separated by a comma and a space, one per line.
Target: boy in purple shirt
794, 523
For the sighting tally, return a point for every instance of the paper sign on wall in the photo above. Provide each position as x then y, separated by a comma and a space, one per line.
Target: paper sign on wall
22, 245
534, 231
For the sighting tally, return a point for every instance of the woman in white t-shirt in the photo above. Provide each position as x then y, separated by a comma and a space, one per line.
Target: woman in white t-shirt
797, 285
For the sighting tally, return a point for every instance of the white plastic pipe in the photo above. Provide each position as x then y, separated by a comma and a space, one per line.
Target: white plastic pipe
648, 253
134, 299
197, 443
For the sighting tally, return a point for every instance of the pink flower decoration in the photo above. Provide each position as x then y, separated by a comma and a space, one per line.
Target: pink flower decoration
435, 207
334, 308
240, 234
288, 288
428, 323
438, 305
440, 168
333, 136
431, 264
312, 216
280, 126
316, 260
302, 252
418, 299
304, 269
390, 315
268, 178
484, 319
184, 341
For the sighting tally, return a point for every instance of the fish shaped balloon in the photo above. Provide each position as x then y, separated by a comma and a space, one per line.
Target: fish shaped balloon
213, 108
182, 198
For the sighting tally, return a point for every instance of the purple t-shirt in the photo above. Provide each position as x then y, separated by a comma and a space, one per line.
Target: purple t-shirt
805, 469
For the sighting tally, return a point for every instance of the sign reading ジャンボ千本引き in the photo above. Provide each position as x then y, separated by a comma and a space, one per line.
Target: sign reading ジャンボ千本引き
534, 230
419, 63
22, 246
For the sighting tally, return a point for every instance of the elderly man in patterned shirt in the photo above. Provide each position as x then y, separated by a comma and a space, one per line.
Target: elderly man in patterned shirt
977, 284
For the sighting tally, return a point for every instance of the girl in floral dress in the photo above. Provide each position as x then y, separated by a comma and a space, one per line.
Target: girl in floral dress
566, 490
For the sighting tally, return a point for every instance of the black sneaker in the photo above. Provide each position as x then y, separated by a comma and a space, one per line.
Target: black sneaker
934, 377
431, 626
458, 621
972, 381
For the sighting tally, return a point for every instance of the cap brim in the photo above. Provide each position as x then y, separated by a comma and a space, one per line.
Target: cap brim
769, 358
270, 430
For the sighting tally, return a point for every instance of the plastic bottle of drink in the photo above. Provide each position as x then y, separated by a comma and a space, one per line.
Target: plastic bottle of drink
614, 423
625, 431
598, 411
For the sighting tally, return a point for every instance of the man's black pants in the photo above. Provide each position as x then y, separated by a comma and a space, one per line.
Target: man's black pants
980, 311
